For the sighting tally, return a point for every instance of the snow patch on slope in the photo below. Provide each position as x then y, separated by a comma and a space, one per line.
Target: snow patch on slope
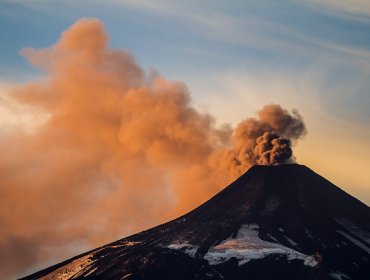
248, 246
355, 241
355, 229
72, 269
124, 244
293, 243
185, 247
338, 275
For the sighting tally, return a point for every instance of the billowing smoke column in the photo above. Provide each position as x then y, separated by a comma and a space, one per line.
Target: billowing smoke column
272, 149
271, 135
120, 151
264, 140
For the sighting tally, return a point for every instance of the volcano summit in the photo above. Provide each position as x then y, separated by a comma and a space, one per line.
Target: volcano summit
274, 222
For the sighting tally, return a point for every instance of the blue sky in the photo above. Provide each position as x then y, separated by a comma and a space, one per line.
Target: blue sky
234, 56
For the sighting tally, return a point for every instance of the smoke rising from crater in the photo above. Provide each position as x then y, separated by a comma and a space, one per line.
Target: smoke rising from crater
121, 150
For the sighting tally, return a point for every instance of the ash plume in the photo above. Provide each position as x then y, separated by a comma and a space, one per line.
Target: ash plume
264, 140
272, 149
276, 128
121, 150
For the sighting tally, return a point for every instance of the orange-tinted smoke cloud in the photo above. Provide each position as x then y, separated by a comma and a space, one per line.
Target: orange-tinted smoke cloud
121, 150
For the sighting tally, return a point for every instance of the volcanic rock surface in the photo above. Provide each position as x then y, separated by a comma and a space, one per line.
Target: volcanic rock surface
274, 222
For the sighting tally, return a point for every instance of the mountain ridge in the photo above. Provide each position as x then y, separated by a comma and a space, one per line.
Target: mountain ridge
284, 217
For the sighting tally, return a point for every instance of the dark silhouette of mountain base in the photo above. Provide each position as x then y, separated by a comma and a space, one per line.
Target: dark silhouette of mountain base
274, 222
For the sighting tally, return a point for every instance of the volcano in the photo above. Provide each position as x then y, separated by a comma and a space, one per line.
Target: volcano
274, 222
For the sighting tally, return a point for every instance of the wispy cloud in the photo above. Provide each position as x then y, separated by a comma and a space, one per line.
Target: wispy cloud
220, 24
258, 31
355, 9
161, 6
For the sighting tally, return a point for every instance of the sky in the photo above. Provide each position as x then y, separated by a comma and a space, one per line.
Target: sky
233, 57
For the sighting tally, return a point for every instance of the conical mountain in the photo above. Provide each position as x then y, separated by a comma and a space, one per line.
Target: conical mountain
274, 222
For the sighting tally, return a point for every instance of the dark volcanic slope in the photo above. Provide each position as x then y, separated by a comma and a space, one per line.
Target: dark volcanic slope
274, 222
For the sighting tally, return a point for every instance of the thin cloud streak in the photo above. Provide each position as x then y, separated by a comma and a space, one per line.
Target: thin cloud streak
254, 32
354, 9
